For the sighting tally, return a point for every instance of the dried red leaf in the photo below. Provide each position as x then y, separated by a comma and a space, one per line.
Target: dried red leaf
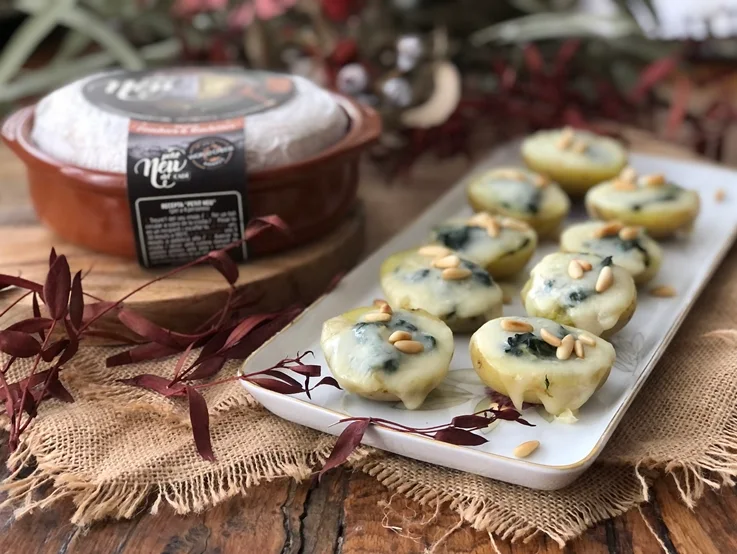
59, 391
76, 301
460, 437
28, 403
140, 353
31, 325
565, 54
221, 260
244, 328
533, 59
57, 287
279, 375
470, 421
182, 359
18, 344
651, 75
678, 107
200, 419
309, 370
276, 385
206, 369
346, 444
257, 337
507, 414
92, 311
156, 383
259, 224
54, 349
330, 381
11, 281
145, 328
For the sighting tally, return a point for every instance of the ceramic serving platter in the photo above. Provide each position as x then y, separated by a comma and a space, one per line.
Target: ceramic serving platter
566, 449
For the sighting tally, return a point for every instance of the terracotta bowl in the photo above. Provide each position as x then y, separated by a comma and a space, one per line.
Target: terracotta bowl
90, 208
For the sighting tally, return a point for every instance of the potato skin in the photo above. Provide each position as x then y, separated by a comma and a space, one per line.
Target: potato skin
657, 226
489, 376
574, 182
562, 317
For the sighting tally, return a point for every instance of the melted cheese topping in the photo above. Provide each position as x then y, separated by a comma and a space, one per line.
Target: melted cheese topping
410, 281
475, 243
665, 200
601, 152
636, 255
555, 294
526, 368
496, 191
365, 363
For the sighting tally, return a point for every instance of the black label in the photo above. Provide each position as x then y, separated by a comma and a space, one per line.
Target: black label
187, 189
188, 94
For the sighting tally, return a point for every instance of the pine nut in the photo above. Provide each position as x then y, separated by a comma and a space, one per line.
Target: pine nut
447, 261
385, 309
434, 251
629, 233
513, 174
493, 229
566, 348
550, 338
575, 270
565, 139
619, 184
605, 279
481, 219
525, 449
628, 174
377, 317
663, 291
540, 181
654, 180
513, 325
586, 266
396, 336
580, 146
409, 346
608, 229
587, 340
578, 349
456, 273
720, 195
379, 302
516, 224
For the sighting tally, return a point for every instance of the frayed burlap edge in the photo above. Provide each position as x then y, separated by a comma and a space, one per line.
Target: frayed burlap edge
714, 468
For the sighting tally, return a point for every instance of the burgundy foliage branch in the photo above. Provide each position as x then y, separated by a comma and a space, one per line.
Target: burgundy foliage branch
232, 333
460, 430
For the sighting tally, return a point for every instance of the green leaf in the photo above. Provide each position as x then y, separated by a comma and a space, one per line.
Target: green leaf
28, 36
557, 25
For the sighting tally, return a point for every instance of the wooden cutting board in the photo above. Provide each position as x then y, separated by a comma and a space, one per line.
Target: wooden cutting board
184, 301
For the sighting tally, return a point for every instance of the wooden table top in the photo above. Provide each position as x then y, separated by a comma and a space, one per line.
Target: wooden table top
352, 513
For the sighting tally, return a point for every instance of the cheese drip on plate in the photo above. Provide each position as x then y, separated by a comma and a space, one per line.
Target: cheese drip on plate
525, 367
553, 293
364, 361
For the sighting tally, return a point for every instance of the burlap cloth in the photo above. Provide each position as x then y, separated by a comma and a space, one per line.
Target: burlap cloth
118, 450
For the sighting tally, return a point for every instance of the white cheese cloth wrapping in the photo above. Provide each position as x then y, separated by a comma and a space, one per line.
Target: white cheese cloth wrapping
72, 130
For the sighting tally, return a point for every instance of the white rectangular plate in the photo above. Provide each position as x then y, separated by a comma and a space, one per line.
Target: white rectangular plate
566, 449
